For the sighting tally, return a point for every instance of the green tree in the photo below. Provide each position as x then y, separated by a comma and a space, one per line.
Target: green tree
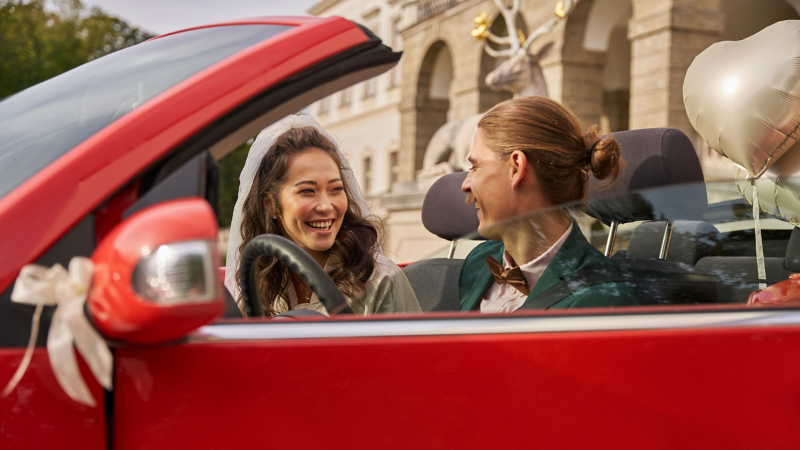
38, 43
230, 166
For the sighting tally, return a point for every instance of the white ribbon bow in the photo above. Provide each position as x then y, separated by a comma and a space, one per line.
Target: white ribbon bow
40, 286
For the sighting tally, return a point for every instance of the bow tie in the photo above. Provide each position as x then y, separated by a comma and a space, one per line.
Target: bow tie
511, 277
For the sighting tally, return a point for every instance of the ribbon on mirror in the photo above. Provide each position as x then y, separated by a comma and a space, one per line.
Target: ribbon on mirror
67, 290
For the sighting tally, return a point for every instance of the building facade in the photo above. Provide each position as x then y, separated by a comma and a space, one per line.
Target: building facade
619, 64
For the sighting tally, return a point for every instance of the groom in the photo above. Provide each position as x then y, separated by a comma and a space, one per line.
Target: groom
524, 263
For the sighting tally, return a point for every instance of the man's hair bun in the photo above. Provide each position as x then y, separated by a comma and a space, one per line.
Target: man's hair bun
604, 155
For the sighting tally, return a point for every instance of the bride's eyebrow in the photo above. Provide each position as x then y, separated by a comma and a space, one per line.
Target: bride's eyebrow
314, 183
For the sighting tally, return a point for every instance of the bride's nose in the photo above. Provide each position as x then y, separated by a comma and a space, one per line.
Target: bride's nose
324, 205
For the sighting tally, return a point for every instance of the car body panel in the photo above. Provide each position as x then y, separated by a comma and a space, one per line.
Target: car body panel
77, 182
38, 414
726, 387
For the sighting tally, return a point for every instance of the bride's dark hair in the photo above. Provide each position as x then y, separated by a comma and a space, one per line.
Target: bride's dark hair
355, 244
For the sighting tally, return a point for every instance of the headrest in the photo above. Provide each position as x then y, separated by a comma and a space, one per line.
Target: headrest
444, 212
654, 158
690, 241
792, 261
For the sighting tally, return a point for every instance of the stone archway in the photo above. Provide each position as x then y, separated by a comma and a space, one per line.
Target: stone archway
582, 69
616, 73
433, 96
605, 32
605, 16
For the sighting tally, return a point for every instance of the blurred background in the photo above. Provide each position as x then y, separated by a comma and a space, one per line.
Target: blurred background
619, 64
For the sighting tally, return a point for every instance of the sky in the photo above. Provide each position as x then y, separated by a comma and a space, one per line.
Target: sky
163, 16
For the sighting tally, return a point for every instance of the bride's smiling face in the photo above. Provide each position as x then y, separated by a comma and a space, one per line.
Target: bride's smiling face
313, 201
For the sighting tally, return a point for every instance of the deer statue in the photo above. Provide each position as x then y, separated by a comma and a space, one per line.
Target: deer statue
520, 74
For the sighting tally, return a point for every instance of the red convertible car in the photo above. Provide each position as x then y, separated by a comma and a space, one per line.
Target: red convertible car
116, 160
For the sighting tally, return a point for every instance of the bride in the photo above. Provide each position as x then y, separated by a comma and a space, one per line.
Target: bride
296, 183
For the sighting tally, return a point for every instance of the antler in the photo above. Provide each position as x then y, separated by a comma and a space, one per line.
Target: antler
562, 11
482, 32
510, 16
514, 37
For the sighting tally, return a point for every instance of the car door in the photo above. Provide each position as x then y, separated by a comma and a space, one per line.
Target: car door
638, 379
88, 148
696, 375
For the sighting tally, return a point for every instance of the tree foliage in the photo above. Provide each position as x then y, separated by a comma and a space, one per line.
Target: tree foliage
230, 166
39, 39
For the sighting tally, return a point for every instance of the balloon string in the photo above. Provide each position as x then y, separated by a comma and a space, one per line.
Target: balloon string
762, 271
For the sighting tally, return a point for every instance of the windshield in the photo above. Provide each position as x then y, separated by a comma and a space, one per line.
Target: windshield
671, 247
43, 122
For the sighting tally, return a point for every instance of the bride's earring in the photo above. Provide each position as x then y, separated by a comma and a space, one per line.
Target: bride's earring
275, 218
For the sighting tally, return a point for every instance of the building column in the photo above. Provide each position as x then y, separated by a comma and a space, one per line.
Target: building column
408, 143
665, 38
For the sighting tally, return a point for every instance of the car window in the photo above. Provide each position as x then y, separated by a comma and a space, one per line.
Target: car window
43, 122
709, 254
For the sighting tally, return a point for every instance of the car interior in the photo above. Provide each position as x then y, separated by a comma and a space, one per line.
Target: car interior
674, 254
662, 192
671, 248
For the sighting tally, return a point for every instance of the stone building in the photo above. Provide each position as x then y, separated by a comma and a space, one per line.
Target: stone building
616, 63
365, 118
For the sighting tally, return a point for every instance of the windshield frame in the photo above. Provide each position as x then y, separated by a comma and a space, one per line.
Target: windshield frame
81, 179
45, 121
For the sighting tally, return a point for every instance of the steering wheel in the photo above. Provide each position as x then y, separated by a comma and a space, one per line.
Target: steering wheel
296, 259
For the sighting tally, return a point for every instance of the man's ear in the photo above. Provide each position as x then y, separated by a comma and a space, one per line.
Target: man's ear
519, 167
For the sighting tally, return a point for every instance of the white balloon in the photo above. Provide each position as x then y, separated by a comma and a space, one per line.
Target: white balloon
743, 97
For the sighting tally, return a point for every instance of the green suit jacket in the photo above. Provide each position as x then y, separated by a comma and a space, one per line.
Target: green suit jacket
576, 255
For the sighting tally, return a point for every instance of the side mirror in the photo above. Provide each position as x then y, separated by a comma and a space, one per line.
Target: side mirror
156, 276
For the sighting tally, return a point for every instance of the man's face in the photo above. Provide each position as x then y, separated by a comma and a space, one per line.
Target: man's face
489, 187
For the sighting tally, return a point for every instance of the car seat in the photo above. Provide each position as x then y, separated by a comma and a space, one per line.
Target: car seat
690, 241
445, 214
662, 181
739, 274
661, 281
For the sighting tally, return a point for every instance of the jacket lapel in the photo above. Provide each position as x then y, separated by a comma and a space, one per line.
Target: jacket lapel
564, 264
483, 280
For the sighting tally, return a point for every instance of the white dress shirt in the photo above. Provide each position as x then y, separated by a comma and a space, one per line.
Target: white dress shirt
501, 298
